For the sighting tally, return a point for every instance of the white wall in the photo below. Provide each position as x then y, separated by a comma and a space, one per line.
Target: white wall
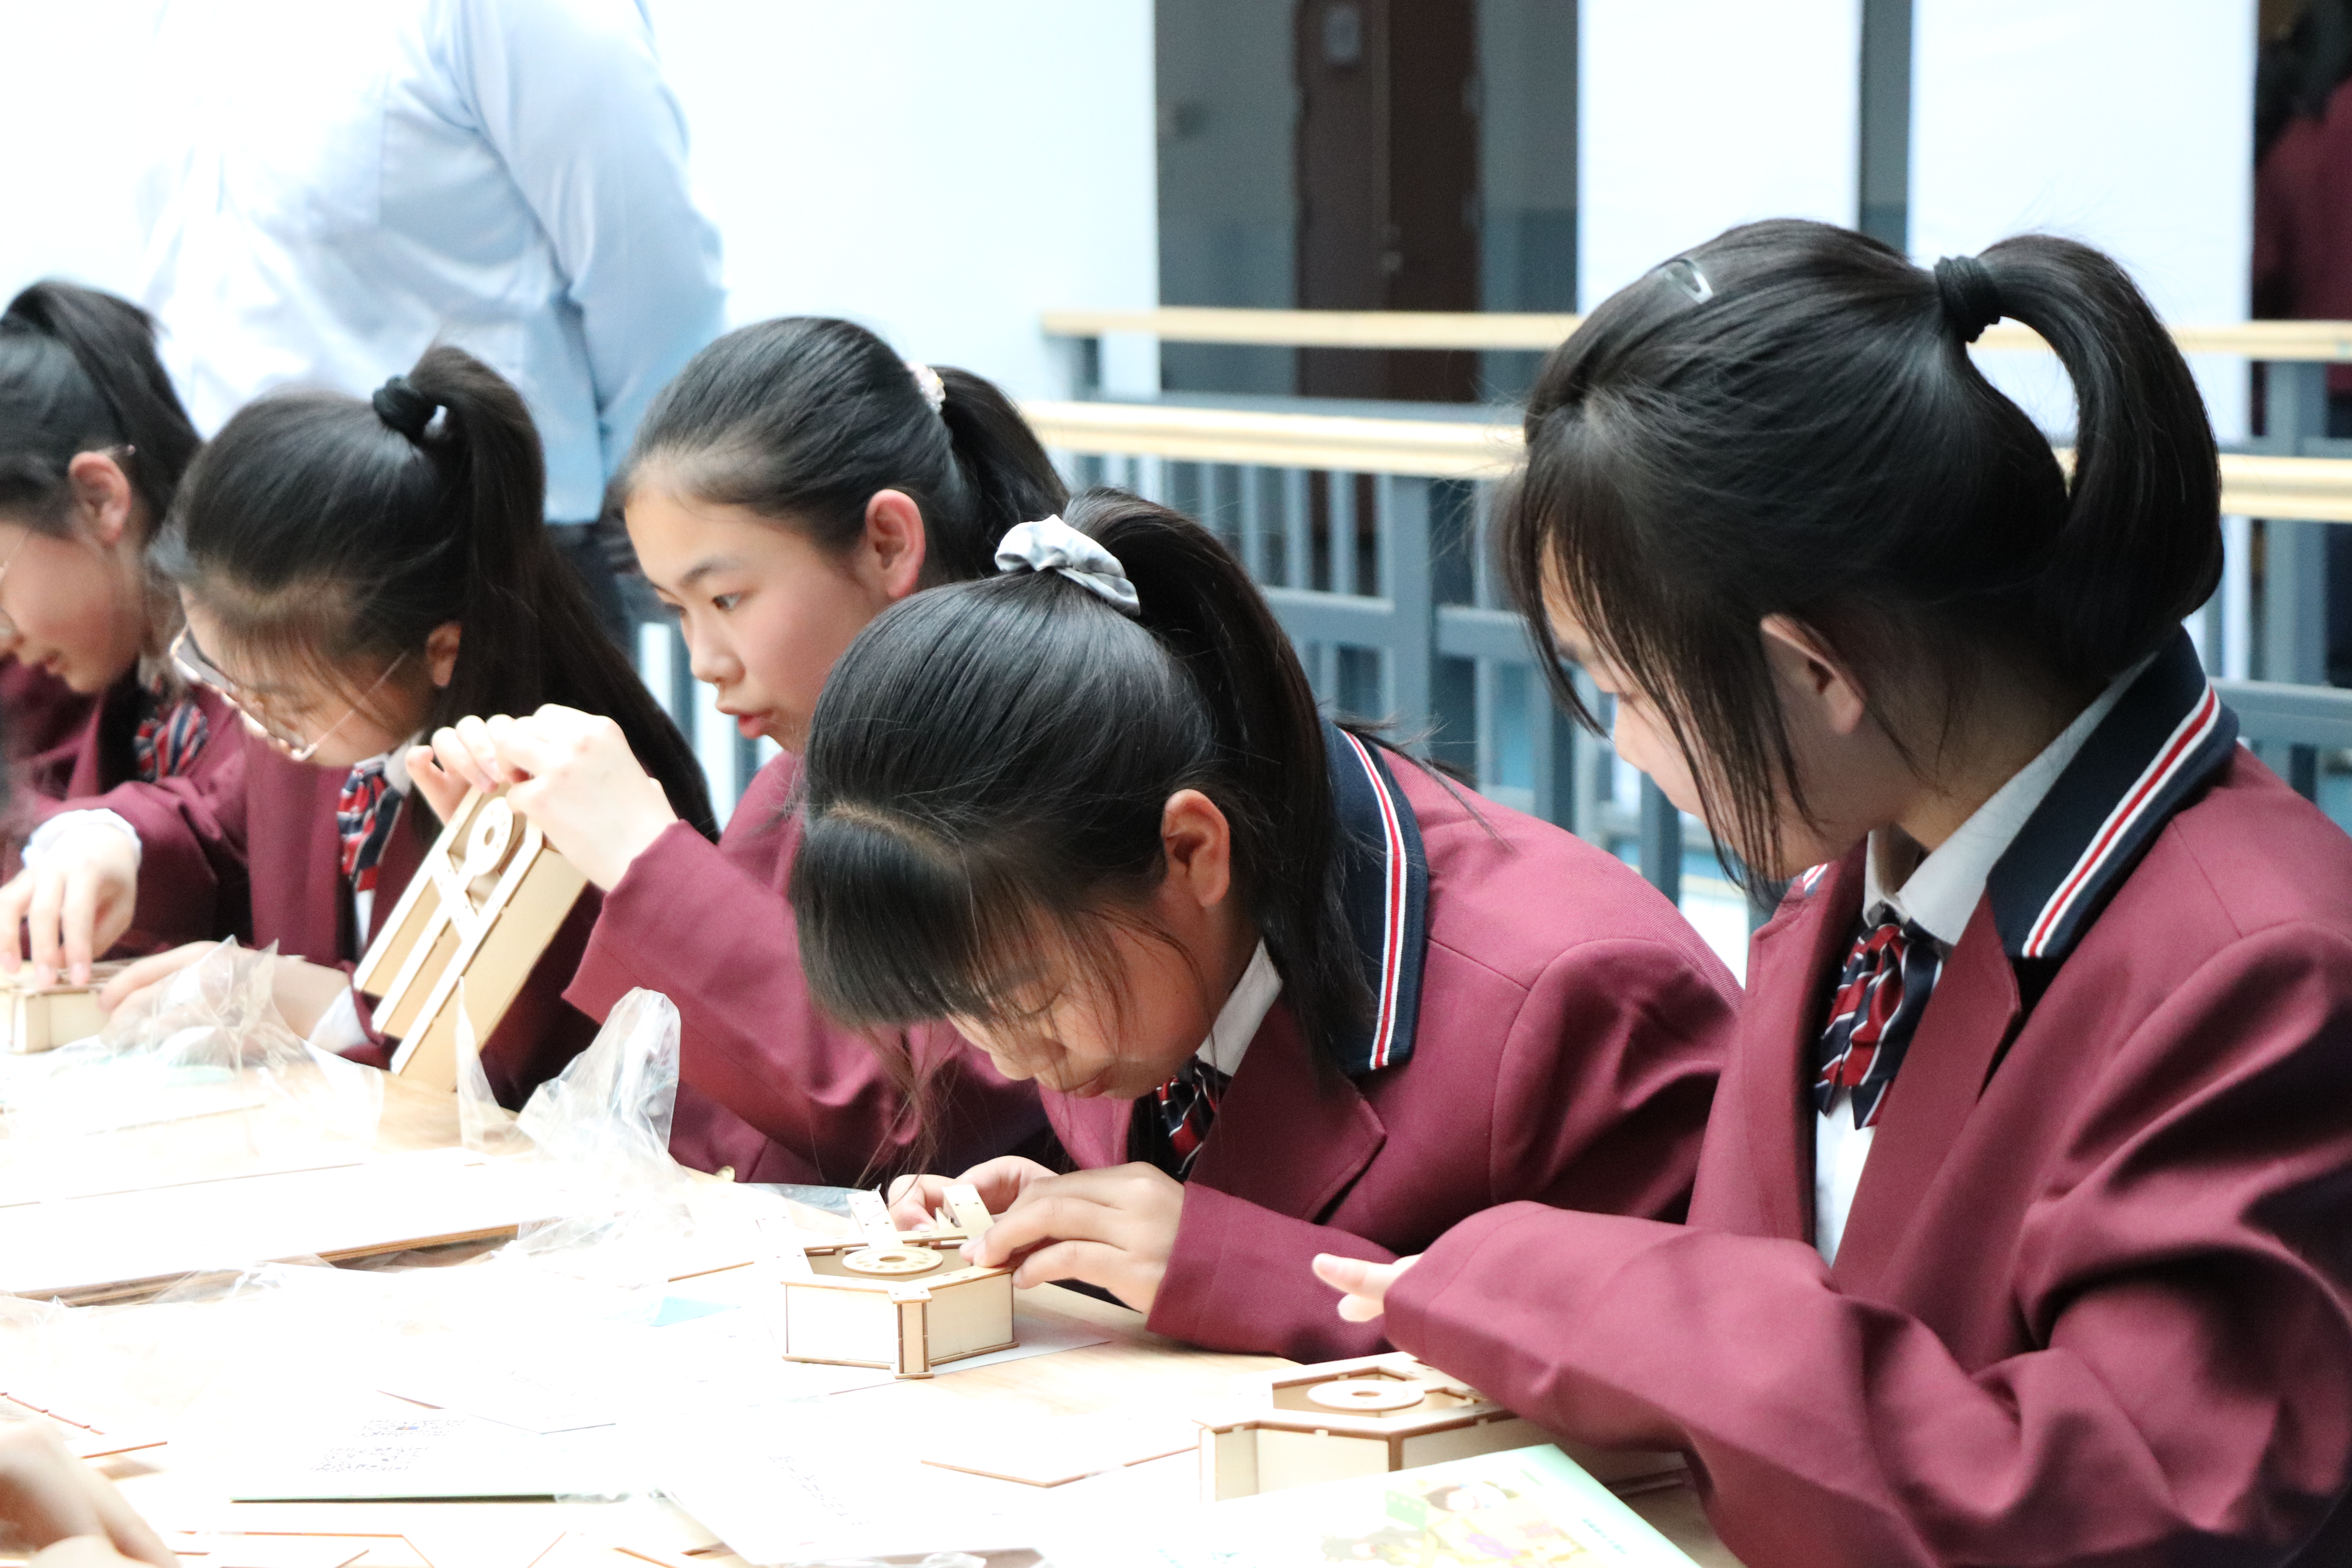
1699, 114
938, 170
2124, 124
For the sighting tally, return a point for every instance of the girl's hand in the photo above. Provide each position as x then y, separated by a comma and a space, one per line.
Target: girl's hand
49, 1497
574, 774
1363, 1287
302, 990
74, 905
914, 1200
1113, 1228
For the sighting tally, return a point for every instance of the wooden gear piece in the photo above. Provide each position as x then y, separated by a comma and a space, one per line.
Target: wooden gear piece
907, 1305
487, 900
43, 1017
1369, 1416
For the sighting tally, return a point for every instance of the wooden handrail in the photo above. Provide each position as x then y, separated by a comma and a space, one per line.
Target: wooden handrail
2314, 490
2311, 340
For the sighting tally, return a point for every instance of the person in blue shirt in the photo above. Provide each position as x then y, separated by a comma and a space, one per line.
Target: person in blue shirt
331, 189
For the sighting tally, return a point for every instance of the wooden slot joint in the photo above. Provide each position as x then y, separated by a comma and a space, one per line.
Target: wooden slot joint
484, 904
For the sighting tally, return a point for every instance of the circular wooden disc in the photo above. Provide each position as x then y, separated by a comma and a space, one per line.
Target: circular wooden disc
1365, 1394
891, 1260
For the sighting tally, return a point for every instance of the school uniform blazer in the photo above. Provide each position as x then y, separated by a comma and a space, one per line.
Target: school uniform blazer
46, 725
768, 1085
1564, 1049
90, 759
253, 852
2091, 1304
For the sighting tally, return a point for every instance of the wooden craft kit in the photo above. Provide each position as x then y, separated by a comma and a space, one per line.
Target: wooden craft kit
43, 1017
487, 900
1371, 1415
904, 1301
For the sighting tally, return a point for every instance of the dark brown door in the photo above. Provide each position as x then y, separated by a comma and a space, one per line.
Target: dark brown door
1388, 183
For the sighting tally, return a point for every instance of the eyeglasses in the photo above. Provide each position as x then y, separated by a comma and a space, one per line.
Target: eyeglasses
192, 664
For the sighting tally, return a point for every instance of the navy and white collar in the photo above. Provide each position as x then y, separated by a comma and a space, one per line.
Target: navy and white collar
2168, 735
1385, 889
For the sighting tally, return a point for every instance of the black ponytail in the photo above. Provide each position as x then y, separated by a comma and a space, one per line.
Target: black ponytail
803, 418
990, 762
323, 530
1786, 421
79, 372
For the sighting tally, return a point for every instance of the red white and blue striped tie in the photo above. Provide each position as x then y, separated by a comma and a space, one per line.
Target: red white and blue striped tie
1187, 1107
1881, 992
168, 738
363, 818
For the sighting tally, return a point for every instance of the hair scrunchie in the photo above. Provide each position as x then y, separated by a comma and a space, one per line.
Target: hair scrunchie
928, 382
1971, 300
1050, 544
404, 408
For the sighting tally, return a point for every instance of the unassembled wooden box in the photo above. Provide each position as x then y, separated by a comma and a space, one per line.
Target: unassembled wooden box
41, 1019
907, 1305
1369, 1416
487, 900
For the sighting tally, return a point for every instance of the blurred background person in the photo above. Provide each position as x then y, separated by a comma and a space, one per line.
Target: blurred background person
329, 189
2303, 227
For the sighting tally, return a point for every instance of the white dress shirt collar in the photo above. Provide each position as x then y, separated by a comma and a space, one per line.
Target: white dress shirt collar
1245, 1010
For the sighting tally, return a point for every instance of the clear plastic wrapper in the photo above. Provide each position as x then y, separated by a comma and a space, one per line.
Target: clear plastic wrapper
197, 1080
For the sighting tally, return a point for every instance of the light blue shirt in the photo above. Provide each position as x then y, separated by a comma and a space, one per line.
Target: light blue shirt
335, 186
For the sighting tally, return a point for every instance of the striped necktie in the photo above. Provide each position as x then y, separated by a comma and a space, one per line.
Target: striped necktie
1186, 1108
363, 816
1881, 992
169, 735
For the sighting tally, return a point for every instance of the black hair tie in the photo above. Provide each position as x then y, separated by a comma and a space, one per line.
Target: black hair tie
1970, 298
400, 405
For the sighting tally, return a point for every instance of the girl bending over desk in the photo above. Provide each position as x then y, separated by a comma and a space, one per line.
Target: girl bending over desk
1285, 991
796, 479
93, 445
353, 572
2073, 954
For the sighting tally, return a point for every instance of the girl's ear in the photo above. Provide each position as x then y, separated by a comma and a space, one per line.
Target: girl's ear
892, 552
1809, 673
1198, 843
441, 652
103, 497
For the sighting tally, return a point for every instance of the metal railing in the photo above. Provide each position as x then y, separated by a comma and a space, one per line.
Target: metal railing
1369, 536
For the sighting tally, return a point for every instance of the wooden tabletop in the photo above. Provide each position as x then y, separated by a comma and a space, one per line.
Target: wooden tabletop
1134, 1373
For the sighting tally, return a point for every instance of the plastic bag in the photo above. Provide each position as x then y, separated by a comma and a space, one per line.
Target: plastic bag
599, 1131
207, 1052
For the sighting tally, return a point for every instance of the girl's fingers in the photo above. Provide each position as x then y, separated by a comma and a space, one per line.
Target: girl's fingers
77, 916
443, 791
136, 977
41, 921
914, 1199
487, 760
16, 899
454, 757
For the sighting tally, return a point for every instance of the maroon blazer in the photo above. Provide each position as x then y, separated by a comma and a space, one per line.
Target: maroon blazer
251, 850
47, 726
1571, 1027
2091, 1304
768, 1085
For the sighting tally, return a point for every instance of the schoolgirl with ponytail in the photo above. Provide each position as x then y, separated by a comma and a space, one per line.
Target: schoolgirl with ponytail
1283, 990
2077, 959
354, 572
796, 479
93, 442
